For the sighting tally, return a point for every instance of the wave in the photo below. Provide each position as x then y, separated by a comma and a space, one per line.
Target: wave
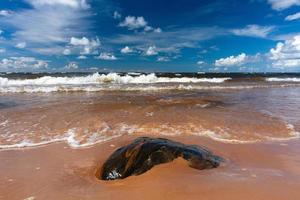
129, 82
129, 88
105, 79
96, 82
283, 79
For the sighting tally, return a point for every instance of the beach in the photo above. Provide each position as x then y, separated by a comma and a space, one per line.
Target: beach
253, 171
56, 132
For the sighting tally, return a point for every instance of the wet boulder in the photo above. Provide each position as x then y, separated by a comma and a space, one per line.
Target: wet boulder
144, 153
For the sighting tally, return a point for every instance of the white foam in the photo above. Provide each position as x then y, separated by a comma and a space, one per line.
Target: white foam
293, 134
91, 82
134, 73
115, 82
283, 79
76, 140
104, 78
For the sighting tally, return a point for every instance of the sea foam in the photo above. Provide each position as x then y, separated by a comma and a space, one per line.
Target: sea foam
104, 78
283, 79
97, 82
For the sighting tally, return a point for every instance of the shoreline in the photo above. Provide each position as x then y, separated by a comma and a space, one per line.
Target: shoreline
20, 147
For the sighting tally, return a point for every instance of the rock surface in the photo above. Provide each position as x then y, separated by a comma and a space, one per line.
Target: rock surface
144, 153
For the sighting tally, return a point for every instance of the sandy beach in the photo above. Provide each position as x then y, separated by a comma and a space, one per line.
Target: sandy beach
252, 171
53, 144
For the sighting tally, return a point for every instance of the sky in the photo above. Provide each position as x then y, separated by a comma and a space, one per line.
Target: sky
150, 35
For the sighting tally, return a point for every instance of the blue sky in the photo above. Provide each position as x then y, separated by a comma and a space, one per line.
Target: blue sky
150, 35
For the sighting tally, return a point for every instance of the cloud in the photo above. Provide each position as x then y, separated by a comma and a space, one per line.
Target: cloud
79, 41
107, 56
254, 31
2, 50
21, 45
163, 59
6, 13
200, 62
48, 25
293, 17
283, 4
117, 15
157, 30
82, 57
150, 28
22, 64
170, 41
232, 61
84, 45
133, 23
72, 66
151, 51
69, 3
67, 52
126, 50
286, 54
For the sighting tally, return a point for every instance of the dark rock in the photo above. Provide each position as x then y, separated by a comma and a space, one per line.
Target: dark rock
144, 153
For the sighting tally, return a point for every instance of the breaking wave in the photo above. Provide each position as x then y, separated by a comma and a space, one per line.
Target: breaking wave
105, 78
283, 79
97, 82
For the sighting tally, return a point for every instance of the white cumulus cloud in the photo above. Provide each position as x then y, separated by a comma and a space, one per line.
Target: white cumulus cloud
286, 54
157, 30
107, 56
232, 61
79, 41
126, 50
67, 52
22, 64
85, 45
151, 51
133, 23
72, 66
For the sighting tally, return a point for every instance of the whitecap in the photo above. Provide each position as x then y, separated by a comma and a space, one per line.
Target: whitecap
283, 79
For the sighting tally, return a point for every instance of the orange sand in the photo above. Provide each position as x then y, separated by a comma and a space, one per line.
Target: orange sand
262, 171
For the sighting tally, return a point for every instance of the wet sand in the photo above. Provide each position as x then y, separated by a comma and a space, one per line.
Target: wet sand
252, 171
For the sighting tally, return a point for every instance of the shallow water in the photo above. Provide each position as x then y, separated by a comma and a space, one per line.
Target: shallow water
83, 119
